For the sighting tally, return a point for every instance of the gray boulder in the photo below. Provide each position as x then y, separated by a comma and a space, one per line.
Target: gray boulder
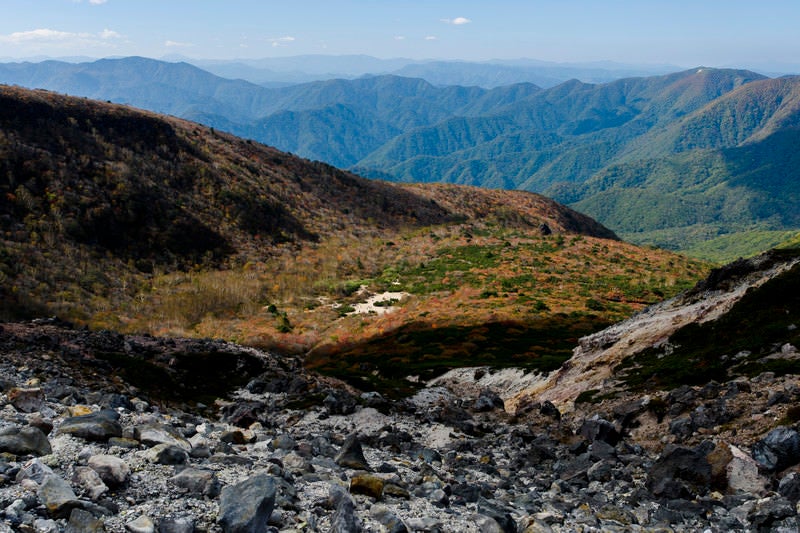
197, 482
246, 506
780, 449
25, 441
596, 428
344, 519
99, 426
112, 470
680, 473
352, 455
81, 521
57, 496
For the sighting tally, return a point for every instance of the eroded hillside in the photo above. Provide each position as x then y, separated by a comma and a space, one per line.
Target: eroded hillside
135, 222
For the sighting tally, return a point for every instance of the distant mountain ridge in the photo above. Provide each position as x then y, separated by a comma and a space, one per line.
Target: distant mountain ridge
672, 160
487, 74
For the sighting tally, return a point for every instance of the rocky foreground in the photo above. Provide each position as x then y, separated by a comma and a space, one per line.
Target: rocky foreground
85, 450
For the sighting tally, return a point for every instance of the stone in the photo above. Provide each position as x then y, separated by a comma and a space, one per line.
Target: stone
488, 400
167, 454
711, 415
385, 517
439, 498
38, 421
57, 496
769, 511
112, 470
351, 455
343, 519
245, 507
596, 428
25, 441
89, 482
197, 482
99, 426
681, 399
396, 491
34, 470
601, 471
548, 408
122, 442
430, 456
486, 524
682, 427
789, 487
575, 470
423, 523
498, 513
176, 525
778, 450
284, 442
16, 509
743, 474
27, 400
296, 464
155, 434
599, 450
368, 485
468, 492
680, 472
244, 414
45, 526
720, 458
142, 524
339, 403
81, 521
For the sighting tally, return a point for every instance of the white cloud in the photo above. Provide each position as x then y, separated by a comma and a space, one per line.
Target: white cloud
400, 38
177, 44
431, 38
281, 41
458, 21
46, 37
97, 2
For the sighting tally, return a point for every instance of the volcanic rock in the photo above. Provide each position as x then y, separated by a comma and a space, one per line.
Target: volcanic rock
245, 507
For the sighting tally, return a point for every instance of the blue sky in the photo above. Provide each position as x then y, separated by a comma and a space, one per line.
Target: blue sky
678, 32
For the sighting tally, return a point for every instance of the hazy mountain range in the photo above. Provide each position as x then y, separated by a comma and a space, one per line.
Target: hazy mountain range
673, 160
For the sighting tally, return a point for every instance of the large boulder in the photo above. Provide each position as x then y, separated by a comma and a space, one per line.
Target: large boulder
25, 441
343, 519
197, 482
57, 496
99, 426
780, 449
351, 455
246, 506
680, 473
112, 470
596, 428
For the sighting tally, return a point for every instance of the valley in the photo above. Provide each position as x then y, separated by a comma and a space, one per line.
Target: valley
700, 161
191, 232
